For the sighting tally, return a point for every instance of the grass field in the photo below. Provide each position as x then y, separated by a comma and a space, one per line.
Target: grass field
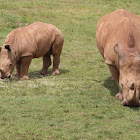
79, 103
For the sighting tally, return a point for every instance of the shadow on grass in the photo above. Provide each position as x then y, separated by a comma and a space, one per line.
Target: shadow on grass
114, 89
135, 108
112, 86
32, 75
36, 74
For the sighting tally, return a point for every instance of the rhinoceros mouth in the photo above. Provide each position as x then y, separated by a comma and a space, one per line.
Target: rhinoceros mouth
5, 76
131, 104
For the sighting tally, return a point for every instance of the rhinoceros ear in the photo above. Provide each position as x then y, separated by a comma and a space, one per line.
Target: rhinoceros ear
117, 50
8, 47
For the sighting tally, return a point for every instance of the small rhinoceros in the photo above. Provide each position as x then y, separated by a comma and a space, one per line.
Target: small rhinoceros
118, 40
25, 43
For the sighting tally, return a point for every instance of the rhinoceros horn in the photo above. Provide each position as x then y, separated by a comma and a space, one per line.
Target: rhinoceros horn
134, 95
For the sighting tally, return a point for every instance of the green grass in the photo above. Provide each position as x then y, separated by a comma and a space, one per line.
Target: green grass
79, 103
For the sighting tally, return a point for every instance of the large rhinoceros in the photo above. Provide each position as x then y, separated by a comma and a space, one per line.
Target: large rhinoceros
118, 40
33, 41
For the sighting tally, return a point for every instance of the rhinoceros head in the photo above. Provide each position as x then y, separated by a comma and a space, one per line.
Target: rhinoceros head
7, 61
129, 79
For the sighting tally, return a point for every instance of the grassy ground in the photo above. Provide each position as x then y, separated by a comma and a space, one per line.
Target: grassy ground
79, 103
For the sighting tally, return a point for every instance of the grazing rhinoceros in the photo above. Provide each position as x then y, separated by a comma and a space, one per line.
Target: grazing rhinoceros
118, 40
33, 41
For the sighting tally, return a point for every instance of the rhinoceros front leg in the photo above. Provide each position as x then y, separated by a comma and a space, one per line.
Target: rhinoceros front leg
114, 72
18, 65
25, 62
46, 63
115, 76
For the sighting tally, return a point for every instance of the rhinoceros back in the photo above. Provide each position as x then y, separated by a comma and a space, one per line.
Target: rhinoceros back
113, 29
35, 39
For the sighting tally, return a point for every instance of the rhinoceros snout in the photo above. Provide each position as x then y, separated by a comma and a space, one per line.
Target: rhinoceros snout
9, 76
5, 76
124, 103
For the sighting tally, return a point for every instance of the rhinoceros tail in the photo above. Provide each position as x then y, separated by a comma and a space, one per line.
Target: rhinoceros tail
57, 45
50, 52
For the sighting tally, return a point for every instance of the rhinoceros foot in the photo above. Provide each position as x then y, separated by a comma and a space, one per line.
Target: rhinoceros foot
119, 96
16, 75
55, 72
112, 78
24, 78
43, 72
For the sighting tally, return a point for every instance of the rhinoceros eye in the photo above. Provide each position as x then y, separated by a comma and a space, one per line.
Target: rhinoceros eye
132, 86
10, 65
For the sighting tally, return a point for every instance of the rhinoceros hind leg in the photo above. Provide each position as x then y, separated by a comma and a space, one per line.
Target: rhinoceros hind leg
56, 51
55, 72
56, 62
46, 64
25, 62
